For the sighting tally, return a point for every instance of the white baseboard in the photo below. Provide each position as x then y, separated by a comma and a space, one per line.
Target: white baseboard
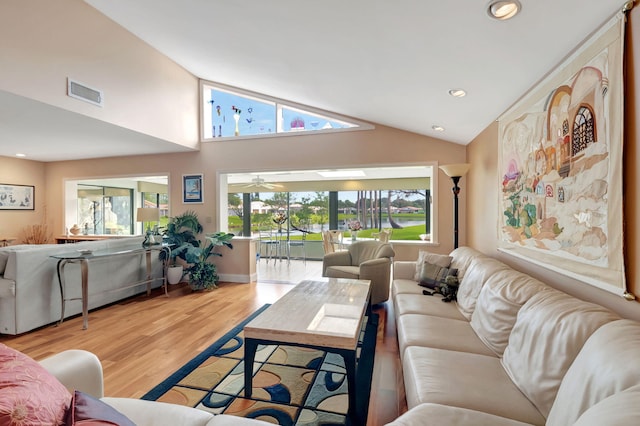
238, 278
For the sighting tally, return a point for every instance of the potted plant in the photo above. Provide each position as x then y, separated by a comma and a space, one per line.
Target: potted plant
181, 231
203, 274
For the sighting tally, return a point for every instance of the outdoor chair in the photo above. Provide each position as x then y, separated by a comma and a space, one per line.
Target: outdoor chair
294, 243
269, 245
331, 240
383, 236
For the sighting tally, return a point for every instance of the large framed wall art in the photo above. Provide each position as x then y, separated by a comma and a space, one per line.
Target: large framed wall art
560, 159
17, 197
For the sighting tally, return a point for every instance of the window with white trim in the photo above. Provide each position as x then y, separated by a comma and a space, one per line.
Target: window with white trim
234, 113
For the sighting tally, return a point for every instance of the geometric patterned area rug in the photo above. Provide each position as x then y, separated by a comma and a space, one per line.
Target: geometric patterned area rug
291, 385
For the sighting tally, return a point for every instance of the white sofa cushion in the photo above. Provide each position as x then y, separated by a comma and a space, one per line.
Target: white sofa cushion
153, 413
498, 304
150, 413
437, 332
404, 269
620, 409
462, 258
607, 364
550, 330
476, 275
402, 286
466, 380
426, 305
438, 414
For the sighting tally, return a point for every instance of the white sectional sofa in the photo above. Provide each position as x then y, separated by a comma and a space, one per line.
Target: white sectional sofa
29, 289
82, 370
512, 351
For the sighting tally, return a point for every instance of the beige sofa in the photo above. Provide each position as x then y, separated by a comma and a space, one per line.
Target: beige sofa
82, 370
29, 289
512, 351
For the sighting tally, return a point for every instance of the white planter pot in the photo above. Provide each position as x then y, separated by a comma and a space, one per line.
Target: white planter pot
174, 274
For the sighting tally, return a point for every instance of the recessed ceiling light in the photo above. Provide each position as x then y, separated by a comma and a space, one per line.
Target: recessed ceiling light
342, 173
437, 128
457, 93
21, 155
503, 9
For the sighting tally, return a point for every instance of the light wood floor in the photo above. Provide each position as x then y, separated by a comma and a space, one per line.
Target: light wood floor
142, 340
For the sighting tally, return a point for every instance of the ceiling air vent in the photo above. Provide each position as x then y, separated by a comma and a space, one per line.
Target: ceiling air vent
80, 91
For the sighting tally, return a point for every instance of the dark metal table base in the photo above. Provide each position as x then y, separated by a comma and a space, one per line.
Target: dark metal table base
350, 363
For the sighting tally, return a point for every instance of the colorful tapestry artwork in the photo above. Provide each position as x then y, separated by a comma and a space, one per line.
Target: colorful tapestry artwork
560, 151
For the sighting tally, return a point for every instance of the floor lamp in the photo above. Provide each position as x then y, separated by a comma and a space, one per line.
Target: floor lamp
455, 172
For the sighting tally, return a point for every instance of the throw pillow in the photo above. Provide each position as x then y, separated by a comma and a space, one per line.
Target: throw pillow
431, 275
441, 260
86, 410
29, 394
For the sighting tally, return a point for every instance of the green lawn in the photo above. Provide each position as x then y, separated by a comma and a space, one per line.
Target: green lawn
406, 233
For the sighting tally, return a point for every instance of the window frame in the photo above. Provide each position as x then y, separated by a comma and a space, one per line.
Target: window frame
222, 177
358, 125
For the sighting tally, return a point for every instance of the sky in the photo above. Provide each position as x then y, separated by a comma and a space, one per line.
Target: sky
257, 117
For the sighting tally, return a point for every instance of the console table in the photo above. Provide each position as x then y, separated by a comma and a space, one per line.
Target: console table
70, 239
84, 259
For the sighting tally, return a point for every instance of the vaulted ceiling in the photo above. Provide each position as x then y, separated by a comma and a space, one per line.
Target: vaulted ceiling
389, 62
386, 62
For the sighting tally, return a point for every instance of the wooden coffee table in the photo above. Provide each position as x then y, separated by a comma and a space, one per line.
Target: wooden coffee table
325, 314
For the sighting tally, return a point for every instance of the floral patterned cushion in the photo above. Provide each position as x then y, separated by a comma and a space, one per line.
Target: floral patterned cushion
29, 394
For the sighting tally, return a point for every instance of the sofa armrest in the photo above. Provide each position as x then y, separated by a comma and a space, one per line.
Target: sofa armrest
404, 270
151, 413
77, 370
339, 258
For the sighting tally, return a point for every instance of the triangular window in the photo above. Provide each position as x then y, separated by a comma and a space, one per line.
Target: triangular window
234, 113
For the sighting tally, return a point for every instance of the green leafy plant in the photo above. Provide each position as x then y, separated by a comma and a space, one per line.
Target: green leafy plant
203, 274
181, 231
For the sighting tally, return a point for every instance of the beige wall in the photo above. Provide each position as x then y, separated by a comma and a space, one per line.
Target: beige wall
23, 172
44, 42
483, 196
382, 146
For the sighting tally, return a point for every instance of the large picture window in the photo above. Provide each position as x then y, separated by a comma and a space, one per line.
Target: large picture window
394, 199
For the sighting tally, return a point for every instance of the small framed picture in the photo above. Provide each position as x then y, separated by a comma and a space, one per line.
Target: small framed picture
17, 197
192, 189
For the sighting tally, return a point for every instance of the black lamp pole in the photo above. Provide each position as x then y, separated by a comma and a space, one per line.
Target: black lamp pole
455, 172
456, 192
